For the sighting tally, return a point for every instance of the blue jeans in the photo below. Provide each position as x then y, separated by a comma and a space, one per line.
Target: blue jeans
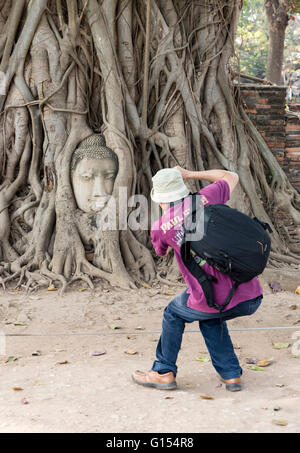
214, 331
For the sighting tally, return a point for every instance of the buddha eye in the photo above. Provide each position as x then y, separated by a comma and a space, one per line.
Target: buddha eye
110, 176
86, 177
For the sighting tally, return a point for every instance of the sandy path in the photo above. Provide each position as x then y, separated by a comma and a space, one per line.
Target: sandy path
95, 393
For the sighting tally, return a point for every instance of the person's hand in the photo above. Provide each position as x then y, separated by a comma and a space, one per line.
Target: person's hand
184, 173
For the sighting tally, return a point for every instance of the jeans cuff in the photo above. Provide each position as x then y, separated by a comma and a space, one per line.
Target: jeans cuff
163, 368
232, 374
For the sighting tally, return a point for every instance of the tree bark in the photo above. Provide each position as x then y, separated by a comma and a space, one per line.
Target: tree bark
153, 78
277, 17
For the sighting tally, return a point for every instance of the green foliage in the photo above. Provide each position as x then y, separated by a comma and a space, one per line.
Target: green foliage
296, 7
252, 39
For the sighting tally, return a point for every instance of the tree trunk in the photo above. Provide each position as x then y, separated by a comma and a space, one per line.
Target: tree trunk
96, 96
277, 16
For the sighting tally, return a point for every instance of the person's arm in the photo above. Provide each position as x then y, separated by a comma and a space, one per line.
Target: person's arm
211, 175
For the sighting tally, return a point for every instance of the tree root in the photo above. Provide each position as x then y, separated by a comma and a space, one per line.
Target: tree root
284, 258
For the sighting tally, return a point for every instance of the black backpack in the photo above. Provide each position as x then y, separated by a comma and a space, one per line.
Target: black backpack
232, 242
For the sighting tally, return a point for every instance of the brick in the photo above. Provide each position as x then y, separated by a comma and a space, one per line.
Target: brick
272, 122
270, 108
278, 151
293, 144
292, 135
274, 129
274, 139
262, 100
293, 159
293, 150
276, 145
293, 126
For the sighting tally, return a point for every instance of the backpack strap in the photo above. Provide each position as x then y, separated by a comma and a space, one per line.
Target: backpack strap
187, 244
205, 281
203, 278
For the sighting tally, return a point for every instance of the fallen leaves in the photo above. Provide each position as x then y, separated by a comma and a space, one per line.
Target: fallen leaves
265, 362
167, 293
11, 358
281, 345
130, 352
51, 288
145, 285
62, 362
280, 422
206, 397
275, 286
251, 360
97, 352
17, 389
114, 326
258, 365
204, 359
297, 291
255, 368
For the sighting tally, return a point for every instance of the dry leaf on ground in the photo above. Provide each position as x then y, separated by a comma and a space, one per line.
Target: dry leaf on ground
255, 368
114, 326
96, 353
11, 358
206, 397
281, 345
280, 422
265, 362
52, 288
145, 285
251, 360
204, 359
130, 352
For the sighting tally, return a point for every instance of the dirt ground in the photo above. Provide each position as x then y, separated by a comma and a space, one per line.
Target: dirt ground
52, 382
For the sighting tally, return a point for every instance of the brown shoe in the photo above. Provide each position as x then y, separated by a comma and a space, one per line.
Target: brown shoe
233, 385
154, 379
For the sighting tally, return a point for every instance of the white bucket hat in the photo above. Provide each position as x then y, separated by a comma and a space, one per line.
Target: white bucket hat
168, 186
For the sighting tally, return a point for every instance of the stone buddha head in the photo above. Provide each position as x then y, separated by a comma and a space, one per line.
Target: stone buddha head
94, 168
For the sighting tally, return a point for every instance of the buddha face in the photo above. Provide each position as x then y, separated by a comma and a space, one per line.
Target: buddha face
93, 175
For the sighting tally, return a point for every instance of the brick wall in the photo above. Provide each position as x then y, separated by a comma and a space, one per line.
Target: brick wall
265, 106
292, 147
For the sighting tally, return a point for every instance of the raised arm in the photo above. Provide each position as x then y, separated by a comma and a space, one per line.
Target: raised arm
211, 175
